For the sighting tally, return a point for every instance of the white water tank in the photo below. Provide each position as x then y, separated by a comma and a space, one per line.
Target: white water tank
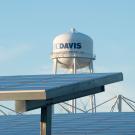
70, 45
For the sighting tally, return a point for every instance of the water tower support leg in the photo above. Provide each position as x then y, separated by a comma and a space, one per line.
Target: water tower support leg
46, 120
91, 67
55, 64
55, 67
74, 105
74, 66
93, 97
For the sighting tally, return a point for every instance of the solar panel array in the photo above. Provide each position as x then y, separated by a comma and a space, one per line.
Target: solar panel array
41, 82
71, 124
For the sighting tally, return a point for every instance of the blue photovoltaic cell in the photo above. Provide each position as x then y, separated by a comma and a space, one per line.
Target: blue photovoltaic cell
44, 82
71, 124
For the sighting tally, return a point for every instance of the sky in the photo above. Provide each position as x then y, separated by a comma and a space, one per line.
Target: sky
28, 27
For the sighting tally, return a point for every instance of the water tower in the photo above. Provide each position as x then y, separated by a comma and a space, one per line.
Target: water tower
73, 51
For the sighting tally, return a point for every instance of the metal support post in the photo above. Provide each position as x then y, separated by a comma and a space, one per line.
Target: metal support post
119, 103
94, 103
46, 120
73, 106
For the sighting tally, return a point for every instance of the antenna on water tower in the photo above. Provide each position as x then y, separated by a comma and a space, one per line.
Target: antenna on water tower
72, 51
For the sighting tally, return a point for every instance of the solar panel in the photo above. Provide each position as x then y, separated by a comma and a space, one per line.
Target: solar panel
36, 82
71, 124
50, 86
52, 89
